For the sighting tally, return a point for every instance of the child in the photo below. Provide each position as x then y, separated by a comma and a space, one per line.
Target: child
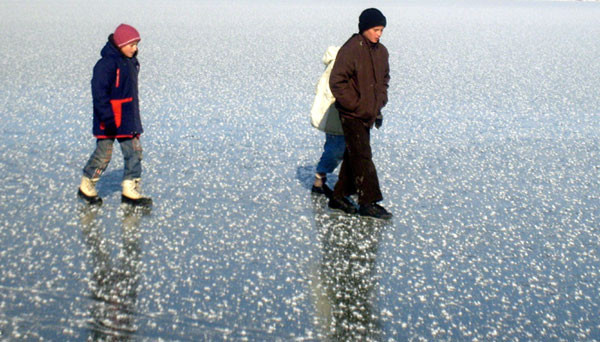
116, 116
325, 117
359, 82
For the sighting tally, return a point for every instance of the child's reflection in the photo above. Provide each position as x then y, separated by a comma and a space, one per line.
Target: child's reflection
113, 286
346, 276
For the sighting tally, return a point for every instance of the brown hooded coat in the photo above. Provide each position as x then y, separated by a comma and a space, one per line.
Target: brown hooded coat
359, 79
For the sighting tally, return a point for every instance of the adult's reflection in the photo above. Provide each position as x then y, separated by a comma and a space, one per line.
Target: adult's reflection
346, 277
113, 286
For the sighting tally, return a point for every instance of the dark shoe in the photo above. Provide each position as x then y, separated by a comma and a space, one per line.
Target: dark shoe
323, 190
93, 200
142, 201
343, 204
374, 210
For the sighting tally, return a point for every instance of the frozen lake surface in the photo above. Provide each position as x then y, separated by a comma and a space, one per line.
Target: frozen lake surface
488, 157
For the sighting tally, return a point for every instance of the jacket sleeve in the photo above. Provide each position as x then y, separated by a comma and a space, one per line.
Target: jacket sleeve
386, 83
104, 76
342, 83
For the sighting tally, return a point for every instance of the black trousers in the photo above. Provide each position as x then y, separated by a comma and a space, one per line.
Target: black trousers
357, 173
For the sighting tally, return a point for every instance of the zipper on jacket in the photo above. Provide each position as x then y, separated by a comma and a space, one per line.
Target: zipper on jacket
118, 76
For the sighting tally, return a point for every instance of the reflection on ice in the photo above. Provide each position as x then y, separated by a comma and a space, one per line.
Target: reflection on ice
345, 294
114, 283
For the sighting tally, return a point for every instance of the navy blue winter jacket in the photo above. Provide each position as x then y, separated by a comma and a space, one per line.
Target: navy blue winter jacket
115, 94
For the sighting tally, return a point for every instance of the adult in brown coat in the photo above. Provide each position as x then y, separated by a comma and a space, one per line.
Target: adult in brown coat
359, 81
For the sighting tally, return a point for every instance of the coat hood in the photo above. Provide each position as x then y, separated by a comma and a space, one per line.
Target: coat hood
330, 54
111, 50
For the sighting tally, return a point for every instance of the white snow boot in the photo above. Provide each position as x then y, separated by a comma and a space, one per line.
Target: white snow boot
87, 190
132, 193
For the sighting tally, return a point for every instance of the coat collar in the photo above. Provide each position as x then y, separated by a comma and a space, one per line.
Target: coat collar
365, 42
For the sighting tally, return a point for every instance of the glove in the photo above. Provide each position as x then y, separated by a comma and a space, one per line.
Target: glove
379, 121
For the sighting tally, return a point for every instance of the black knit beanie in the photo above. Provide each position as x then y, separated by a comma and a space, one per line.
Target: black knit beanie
370, 17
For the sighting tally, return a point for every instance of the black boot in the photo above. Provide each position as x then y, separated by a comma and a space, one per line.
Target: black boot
344, 204
374, 210
320, 186
323, 190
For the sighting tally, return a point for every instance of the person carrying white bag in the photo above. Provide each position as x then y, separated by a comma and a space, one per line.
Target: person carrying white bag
325, 117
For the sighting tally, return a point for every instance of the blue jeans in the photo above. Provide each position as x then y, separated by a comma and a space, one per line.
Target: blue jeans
333, 153
132, 155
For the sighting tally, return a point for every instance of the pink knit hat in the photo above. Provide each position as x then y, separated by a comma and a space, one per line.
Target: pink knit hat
125, 34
